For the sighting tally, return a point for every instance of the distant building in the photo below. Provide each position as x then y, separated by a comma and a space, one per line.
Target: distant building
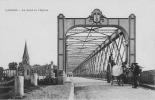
26, 70
24, 67
43, 70
26, 59
9, 73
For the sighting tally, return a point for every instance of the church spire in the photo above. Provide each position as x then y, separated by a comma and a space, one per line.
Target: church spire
25, 59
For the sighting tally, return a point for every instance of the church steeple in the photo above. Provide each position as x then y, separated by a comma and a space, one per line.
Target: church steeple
25, 59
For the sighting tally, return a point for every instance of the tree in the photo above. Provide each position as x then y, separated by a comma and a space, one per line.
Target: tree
1, 71
13, 66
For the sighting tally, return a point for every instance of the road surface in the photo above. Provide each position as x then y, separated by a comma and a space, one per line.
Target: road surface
91, 89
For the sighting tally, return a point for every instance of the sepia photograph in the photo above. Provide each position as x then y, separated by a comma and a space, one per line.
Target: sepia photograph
77, 49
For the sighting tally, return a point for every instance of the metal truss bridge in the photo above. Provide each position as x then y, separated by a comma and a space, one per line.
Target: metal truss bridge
85, 44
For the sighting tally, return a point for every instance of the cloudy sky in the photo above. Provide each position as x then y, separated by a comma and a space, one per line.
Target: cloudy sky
39, 28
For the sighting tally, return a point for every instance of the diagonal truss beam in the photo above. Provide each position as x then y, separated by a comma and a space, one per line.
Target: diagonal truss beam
113, 37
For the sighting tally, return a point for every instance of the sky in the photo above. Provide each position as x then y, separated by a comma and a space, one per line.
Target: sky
39, 28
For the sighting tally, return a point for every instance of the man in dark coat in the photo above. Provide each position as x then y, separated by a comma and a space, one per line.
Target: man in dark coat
136, 72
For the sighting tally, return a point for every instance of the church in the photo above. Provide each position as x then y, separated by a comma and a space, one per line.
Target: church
26, 70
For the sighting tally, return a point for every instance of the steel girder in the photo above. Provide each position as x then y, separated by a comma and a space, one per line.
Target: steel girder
103, 45
116, 47
85, 40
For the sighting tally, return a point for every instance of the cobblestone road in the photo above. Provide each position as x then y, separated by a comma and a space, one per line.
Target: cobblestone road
86, 89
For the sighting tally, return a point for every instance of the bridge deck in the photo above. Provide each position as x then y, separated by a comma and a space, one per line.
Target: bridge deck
80, 81
101, 90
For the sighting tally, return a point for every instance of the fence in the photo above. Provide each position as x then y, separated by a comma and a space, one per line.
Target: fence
15, 86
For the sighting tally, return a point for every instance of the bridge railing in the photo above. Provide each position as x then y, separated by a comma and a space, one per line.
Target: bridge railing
147, 77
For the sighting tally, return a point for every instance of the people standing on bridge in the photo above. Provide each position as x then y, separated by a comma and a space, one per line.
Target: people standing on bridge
124, 72
136, 72
111, 63
111, 60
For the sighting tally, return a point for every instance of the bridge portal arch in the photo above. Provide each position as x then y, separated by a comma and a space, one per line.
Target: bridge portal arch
124, 26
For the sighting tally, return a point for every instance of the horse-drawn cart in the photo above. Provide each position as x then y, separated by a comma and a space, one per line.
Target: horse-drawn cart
115, 72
